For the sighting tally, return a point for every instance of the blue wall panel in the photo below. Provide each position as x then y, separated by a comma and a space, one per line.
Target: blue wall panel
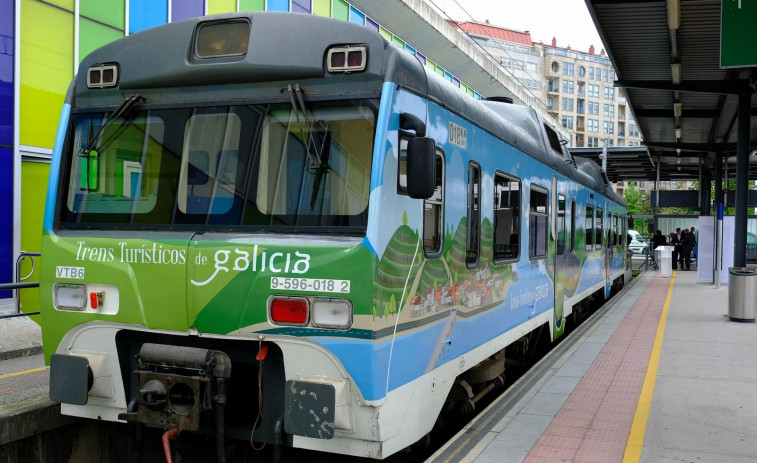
144, 14
7, 35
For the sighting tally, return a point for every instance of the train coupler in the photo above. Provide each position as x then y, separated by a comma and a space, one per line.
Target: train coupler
178, 384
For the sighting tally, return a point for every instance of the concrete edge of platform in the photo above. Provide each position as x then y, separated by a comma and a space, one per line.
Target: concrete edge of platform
517, 396
22, 352
31, 417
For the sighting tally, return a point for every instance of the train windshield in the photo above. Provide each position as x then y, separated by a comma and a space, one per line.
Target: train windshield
264, 166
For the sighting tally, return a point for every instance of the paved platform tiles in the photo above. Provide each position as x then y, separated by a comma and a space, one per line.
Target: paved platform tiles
699, 405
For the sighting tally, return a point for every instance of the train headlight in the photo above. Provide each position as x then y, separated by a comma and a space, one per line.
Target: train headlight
347, 59
68, 296
102, 76
332, 313
222, 38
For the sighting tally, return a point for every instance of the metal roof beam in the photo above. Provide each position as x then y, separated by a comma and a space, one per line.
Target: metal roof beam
685, 113
728, 87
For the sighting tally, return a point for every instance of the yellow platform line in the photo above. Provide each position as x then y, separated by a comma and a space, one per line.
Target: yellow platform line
639, 426
19, 373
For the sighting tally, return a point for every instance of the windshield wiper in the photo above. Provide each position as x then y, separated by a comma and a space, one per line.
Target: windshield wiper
319, 146
130, 101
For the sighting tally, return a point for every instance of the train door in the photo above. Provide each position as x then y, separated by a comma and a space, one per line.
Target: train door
609, 248
560, 258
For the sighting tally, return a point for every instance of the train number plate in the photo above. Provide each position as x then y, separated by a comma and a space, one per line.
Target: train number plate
310, 284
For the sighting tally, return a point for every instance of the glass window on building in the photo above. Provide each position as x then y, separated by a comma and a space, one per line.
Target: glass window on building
567, 121
518, 64
609, 110
609, 93
593, 125
567, 86
568, 69
608, 127
507, 62
594, 108
581, 71
532, 67
593, 91
532, 84
592, 142
555, 66
606, 75
567, 104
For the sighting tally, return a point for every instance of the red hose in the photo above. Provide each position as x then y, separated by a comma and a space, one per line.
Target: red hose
167, 445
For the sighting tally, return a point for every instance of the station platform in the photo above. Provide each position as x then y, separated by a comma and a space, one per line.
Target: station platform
658, 374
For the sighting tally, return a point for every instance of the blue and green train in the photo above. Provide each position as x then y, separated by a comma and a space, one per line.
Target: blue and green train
303, 237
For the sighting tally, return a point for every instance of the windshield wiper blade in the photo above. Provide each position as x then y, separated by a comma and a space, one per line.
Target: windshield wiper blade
127, 104
299, 104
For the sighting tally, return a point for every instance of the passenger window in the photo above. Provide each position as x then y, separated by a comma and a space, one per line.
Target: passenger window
560, 225
589, 227
474, 215
433, 214
573, 236
506, 218
537, 223
600, 230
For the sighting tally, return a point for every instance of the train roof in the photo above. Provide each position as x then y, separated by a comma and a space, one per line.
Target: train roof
157, 63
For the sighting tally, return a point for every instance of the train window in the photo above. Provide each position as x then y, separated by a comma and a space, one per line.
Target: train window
209, 163
537, 223
560, 225
616, 231
610, 230
600, 230
474, 215
506, 218
318, 169
433, 214
122, 174
573, 236
589, 227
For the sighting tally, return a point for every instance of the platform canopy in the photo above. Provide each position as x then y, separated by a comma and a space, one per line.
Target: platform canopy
667, 56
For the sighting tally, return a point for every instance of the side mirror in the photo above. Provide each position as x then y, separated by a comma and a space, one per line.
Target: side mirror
421, 167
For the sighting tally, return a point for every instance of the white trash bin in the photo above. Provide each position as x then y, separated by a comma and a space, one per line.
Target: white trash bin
664, 257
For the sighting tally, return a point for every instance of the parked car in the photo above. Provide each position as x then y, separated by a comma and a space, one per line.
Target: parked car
638, 245
751, 247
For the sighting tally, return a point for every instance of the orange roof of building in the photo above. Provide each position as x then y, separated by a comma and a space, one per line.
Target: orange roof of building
495, 32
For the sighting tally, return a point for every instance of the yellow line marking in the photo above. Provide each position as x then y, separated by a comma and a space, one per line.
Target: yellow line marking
639, 426
19, 373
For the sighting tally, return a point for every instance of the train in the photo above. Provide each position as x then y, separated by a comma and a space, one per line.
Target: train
284, 229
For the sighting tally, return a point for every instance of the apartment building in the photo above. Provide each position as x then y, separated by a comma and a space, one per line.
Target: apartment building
580, 93
575, 87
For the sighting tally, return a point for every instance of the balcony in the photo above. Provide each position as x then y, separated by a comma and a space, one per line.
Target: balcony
621, 100
579, 128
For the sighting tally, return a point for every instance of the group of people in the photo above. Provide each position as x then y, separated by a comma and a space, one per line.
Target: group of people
683, 242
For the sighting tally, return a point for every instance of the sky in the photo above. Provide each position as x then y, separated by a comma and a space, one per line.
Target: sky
567, 20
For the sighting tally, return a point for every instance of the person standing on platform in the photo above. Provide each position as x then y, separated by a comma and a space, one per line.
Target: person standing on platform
657, 240
693, 234
675, 241
687, 244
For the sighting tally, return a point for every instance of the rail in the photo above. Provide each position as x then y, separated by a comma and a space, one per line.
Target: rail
21, 283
